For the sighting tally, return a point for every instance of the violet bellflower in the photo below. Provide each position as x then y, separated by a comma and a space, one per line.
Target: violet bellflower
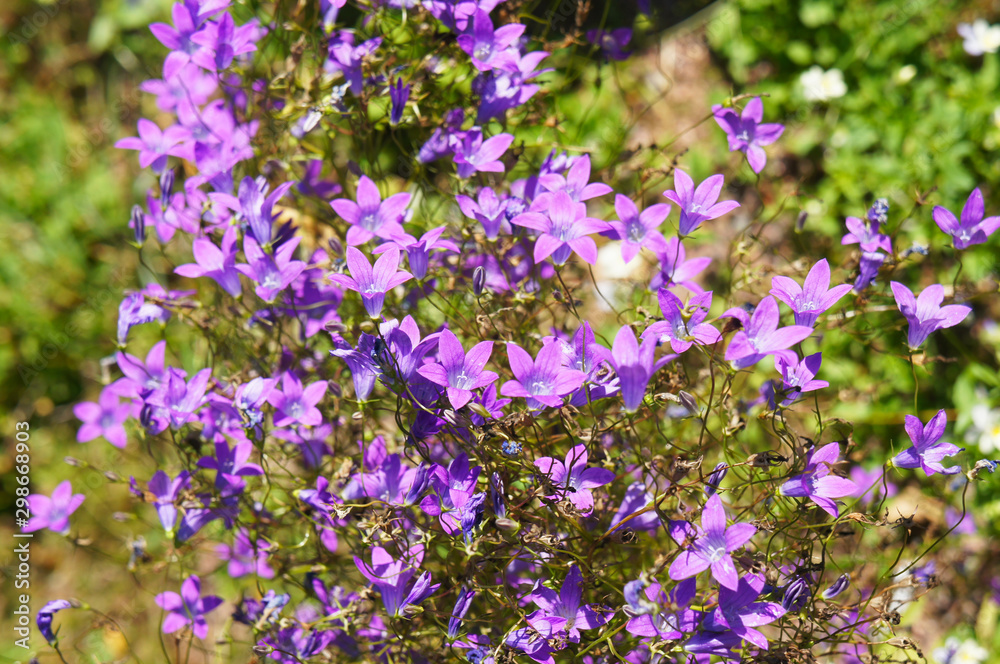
187, 608
583, 353
798, 377
574, 478
473, 154
638, 229
635, 365
45, 616
488, 47
488, 210
683, 326
746, 133
392, 578
156, 145
271, 274
811, 299
576, 182
462, 605
372, 283
927, 453
294, 404
761, 335
676, 269
564, 229
139, 376
166, 492
256, 208
566, 611
181, 398
501, 90
712, 548
542, 381
346, 58
134, 310
215, 263
418, 252
458, 372
52, 512
370, 216
246, 557
739, 611
816, 482
398, 95
105, 418
230, 464
972, 228
221, 42
611, 42
924, 313
698, 205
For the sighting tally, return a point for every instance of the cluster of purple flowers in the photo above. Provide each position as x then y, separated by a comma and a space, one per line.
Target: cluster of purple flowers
291, 485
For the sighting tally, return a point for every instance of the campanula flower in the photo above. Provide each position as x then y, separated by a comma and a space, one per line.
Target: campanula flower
181, 398
458, 372
567, 606
245, 557
798, 377
576, 183
746, 133
370, 216
392, 578
52, 512
418, 252
739, 611
612, 42
45, 615
811, 299
488, 210
635, 364
215, 263
564, 229
698, 205
816, 482
473, 154
187, 608
676, 269
462, 605
574, 478
542, 381
638, 229
105, 418
972, 228
398, 94
713, 546
166, 492
271, 274
683, 325
346, 58
372, 282
155, 145
927, 452
924, 313
761, 335
486, 47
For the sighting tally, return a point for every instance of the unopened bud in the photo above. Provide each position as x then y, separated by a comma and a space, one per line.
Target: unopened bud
478, 281
166, 185
715, 479
138, 224
839, 586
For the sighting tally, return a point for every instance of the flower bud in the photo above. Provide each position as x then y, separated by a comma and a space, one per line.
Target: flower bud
715, 479
478, 281
166, 186
137, 223
839, 586
796, 594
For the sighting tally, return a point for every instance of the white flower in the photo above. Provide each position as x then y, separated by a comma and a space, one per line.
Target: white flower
960, 652
985, 430
980, 37
819, 85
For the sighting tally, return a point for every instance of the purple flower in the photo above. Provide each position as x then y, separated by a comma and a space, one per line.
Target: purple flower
925, 313
346, 58
231, 464
972, 229
487, 47
683, 326
457, 371
739, 612
246, 558
927, 453
295, 405
564, 610
166, 492
564, 229
635, 365
134, 310
816, 482
583, 353
180, 398
488, 210
814, 296
798, 377
473, 154
868, 268
256, 209
866, 234
53, 513
760, 335
712, 547
746, 133
372, 283
188, 608
398, 94
222, 41
155, 146
574, 478
418, 252
371, 216
612, 42
576, 182
218, 265
272, 275
361, 361
45, 615
543, 381
392, 578
462, 605
676, 269
501, 90
698, 205
104, 418
637, 230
